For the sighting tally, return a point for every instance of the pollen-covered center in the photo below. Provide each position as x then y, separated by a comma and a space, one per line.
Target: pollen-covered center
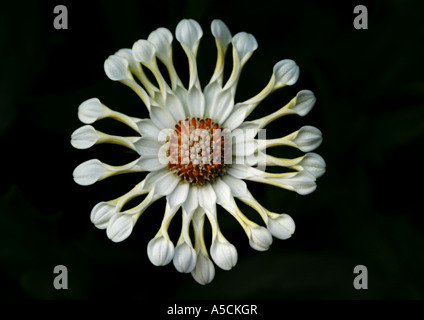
196, 151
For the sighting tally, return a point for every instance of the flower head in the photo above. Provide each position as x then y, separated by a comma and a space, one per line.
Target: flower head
197, 148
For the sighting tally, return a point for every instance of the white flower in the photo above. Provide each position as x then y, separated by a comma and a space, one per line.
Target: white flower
187, 150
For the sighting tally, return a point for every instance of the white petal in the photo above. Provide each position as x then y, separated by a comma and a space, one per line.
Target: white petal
175, 107
195, 103
137, 70
92, 110
243, 144
181, 93
239, 190
84, 137
219, 103
147, 147
94, 170
223, 253
258, 160
222, 192
161, 118
301, 182
204, 272
238, 187
211, 92
166, 183
260, 238
120, 227
89, 172
142, 206
150, 163
162, 39
239, 171
144, 51
286, 72
307, 138
189, 33
313, 163
250, 129
102, 213
244, 43
185, 258
222, 39
192, 202
148, 129
128, 55
153, 177
305, 100
282, 226
116, 68
300, 105
207, 197
221, 32
236, 118
160, 250
177, 197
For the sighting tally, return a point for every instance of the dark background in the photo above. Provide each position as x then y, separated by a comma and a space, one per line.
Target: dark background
365, 211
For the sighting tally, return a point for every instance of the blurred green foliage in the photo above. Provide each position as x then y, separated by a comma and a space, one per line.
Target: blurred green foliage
366, 209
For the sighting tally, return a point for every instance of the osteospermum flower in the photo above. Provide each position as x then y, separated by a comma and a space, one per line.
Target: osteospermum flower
198, 148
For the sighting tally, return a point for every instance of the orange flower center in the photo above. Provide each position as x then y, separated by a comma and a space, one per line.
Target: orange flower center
196, 151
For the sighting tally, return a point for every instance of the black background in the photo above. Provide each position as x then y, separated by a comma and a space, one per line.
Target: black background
367, 207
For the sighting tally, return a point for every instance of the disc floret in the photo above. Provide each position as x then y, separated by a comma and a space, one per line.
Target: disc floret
196, 151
